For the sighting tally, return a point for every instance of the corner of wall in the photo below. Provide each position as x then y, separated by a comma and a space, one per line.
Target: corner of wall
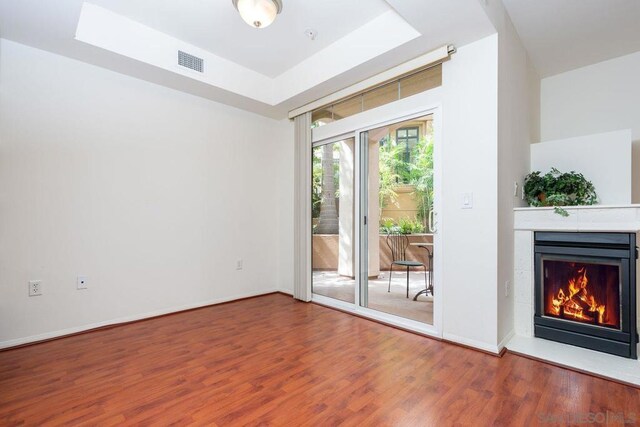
469, 153
168, 207
518, 127
635, 172
285, 197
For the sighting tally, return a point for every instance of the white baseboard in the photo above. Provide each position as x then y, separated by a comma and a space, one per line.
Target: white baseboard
126, 319
502, 344
286, 291
495, 349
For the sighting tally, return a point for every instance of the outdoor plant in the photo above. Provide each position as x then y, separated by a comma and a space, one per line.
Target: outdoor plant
316, 180
403, 226
421, 176
316, 186
409, 226
395, 171
389, 161
387, 225
559, 189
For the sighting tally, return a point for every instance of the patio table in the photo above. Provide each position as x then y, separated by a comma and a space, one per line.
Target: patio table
429, 248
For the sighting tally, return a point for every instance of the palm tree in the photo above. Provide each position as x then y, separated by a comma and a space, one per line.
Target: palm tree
328, 220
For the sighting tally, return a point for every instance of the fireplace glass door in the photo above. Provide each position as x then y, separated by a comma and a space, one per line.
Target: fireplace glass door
585, 290
582, 290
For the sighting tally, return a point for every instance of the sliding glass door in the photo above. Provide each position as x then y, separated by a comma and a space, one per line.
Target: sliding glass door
333, 210
397, 201
375, 247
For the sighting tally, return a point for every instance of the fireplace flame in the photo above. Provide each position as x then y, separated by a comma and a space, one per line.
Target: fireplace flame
576, 302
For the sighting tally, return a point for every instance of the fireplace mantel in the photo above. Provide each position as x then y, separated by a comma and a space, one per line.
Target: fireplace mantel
581, 218
598, 218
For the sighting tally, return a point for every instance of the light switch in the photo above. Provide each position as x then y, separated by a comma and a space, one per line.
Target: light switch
467, 200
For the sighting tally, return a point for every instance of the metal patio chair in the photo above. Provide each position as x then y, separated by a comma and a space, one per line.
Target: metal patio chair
398, 244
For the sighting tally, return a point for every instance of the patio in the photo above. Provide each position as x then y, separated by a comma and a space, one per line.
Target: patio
331, 284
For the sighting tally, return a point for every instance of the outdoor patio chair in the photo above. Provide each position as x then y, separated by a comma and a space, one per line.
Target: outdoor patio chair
398, 244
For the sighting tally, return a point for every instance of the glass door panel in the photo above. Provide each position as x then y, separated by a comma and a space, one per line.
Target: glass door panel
397, 199
333, 210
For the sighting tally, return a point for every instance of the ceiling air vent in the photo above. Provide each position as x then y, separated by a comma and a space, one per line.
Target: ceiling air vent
190, 61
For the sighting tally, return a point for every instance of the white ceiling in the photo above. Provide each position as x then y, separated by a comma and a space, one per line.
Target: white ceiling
562, 35
268, 71
207, 24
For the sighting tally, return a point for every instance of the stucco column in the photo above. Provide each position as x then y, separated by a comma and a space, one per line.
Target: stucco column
346, 244
374, 209
346, 247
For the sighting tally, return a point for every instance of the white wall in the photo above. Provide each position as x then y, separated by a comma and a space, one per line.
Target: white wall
597, 98
486, 150
518, 100
285, 191
470, 165
151, 193
603, 158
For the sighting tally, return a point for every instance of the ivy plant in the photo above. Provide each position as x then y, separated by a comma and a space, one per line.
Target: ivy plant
559, 189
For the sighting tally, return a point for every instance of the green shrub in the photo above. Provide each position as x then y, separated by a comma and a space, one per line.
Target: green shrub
404, 226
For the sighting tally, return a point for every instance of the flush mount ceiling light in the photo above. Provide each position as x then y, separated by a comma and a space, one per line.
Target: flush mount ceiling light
258, 13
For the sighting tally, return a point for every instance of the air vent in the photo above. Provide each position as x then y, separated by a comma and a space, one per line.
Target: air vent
190, 61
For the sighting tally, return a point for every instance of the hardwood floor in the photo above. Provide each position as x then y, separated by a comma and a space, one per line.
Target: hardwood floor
274, 361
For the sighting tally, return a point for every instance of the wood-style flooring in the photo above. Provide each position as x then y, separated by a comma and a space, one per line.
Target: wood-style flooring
275, 361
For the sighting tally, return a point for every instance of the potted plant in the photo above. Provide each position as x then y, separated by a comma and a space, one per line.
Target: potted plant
559, 189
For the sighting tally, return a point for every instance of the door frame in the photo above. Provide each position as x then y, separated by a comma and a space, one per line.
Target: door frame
425, 103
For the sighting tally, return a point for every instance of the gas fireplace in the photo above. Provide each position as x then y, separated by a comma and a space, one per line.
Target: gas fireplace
585, 290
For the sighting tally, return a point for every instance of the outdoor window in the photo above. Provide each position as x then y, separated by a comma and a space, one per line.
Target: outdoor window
407, 138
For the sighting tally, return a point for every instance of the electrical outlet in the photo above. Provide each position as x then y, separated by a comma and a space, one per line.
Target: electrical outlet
239, 264
35, 288
507, 288
82, 282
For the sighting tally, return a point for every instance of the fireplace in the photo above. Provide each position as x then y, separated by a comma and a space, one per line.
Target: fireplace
585, 290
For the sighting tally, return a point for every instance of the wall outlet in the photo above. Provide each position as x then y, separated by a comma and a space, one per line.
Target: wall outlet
82, 282
35, 288
239, 264
507, 288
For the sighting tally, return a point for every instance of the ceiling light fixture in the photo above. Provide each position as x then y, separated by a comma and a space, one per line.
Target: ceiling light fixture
258, 13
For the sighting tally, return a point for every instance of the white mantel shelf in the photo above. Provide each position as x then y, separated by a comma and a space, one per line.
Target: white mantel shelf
581, 218
597, 218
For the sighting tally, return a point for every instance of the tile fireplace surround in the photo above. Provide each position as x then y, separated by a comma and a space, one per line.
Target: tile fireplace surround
586, 219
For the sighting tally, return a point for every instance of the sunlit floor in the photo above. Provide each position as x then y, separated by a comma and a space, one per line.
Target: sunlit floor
330, 284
